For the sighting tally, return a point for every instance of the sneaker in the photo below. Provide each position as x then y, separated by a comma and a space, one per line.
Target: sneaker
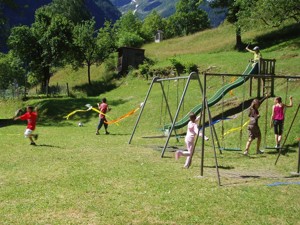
259, 152
206, 138
35, 136
107, 132
97, 133
32, 143
245, 153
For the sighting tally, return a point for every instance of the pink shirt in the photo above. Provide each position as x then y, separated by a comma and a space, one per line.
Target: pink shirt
103, 108
192, 131
278, 113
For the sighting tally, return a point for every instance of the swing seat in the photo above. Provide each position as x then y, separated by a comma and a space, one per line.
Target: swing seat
230, 149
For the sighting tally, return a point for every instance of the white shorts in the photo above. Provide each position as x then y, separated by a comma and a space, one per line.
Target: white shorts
27, 133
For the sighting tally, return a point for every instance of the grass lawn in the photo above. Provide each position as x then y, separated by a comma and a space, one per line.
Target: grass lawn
76, 177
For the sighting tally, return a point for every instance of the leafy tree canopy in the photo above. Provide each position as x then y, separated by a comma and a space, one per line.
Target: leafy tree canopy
152, 23
188, 19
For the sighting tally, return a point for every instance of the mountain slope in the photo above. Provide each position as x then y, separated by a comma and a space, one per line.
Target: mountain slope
165, 8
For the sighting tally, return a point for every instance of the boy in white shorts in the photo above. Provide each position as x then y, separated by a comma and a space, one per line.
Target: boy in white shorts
31, 117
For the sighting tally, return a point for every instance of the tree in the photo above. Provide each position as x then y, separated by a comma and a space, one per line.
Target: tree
253, 13
188, 18
128, 31
11, 71
74, 11
232, 9
84, 40
4, 27
106, 42
270, 13
44, 45
152, 23
91, 47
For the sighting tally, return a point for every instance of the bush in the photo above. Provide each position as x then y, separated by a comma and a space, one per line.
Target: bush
110, 68
179, 67
190, 67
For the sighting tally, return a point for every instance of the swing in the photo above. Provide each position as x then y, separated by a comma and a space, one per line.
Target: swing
240, 128
163, 115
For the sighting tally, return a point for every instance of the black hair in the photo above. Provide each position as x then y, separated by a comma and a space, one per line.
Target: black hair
30, 107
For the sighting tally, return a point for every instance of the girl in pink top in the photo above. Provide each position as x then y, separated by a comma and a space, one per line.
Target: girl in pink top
191, 133
277, 118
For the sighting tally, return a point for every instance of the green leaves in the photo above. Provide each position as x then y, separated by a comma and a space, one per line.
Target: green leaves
188, 19
128, 31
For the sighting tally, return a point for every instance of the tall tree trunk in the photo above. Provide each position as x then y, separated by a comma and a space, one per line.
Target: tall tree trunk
238, 39
89, 72
46, 80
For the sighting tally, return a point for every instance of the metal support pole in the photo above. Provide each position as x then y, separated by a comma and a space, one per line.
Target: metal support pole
298, 164
167, 105
298, 167
203, 123
212, 130
280, 150
142, 109
176, 114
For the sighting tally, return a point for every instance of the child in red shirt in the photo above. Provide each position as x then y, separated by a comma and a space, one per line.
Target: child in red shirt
31, 117
103, 107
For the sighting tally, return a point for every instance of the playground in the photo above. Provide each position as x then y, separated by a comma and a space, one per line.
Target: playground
126, 177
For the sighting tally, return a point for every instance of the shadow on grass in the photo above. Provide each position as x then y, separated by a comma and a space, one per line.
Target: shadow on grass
54, 111
48, 146
221, 167
250, 176
9, 122
288, 34
95, 88
230, 112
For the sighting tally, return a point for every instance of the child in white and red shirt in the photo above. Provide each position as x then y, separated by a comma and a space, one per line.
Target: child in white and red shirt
103, 107
192, 131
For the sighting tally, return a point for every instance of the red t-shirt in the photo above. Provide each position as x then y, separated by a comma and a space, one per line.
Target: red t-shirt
31, 119
103, 108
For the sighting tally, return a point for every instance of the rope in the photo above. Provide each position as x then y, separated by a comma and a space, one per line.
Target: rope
123, 116
161, 108
167, 100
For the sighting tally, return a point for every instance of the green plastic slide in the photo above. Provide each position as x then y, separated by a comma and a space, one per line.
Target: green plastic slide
217, 96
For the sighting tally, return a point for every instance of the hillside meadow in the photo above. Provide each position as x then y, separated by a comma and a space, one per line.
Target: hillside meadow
73, 176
